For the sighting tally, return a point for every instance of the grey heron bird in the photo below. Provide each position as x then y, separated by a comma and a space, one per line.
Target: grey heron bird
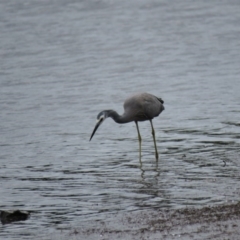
138, 108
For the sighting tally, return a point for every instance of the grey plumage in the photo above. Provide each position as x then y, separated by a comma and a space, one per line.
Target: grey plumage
140, 107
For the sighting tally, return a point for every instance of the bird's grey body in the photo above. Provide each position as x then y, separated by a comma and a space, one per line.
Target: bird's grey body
137, 108
142, 107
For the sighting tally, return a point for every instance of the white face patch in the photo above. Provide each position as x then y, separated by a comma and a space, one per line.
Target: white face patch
100, 119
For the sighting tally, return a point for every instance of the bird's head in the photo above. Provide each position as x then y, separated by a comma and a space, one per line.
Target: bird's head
100, 118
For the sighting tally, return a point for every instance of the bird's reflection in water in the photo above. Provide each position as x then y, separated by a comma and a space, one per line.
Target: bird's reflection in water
155, 169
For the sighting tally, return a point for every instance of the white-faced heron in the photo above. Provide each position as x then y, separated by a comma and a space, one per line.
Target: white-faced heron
138, 108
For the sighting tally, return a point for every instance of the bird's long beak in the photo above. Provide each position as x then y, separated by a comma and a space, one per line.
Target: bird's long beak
96, 127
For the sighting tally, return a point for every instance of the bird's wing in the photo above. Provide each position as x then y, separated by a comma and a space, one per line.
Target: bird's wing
152, 105
143, 106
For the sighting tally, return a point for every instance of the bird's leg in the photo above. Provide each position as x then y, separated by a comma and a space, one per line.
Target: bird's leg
140, 140
154, 140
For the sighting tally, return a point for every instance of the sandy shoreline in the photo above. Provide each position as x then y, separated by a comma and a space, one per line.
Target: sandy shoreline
218, 222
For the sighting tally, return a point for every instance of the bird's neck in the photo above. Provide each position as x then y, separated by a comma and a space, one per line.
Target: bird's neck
118, 118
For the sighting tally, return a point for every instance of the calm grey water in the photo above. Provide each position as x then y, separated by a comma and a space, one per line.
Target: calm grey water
62, 62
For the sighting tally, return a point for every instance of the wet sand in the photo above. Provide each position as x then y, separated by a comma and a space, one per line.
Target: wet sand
218, 222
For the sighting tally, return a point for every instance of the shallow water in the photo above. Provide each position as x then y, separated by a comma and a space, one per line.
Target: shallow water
64, 62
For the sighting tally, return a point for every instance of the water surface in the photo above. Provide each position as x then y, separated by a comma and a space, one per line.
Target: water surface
64, 62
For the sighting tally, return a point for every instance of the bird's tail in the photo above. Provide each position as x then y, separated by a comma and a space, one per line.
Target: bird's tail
160, 100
